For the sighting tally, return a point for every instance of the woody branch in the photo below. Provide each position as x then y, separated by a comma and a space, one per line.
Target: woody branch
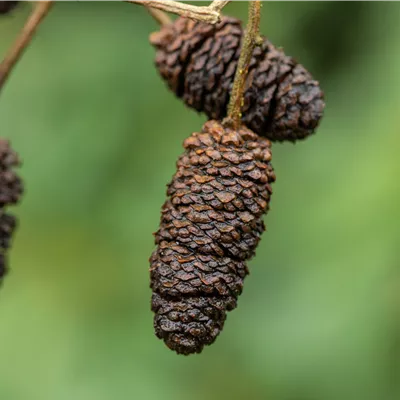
37, 15
210, 14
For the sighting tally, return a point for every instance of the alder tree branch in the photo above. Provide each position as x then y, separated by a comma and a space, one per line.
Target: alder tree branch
251, 39
37, 15
159, 16
210, 14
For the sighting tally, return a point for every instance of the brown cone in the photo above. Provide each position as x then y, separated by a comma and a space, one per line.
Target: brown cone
210, 225
7, 226
10, 184
198, 62
7, 6
10, 193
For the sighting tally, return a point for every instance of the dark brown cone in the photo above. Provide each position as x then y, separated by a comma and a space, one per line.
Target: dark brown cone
186, 324
210, 225
7, 226
10, 192
7, 6
10, 184
198, 62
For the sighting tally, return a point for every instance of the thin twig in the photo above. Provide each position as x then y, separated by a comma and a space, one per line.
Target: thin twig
249, 43
14, 54
160, 16
210, 14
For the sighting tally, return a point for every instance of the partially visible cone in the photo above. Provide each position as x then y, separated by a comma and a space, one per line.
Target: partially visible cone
7, 6
7, 226
198, 61
10, 184
210, 226
11, 189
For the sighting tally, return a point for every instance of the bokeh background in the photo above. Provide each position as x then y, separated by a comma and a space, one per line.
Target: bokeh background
99, 135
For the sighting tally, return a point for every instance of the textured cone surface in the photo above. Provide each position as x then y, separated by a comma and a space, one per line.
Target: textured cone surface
7, 226
7, 6
198, 62
210, 225
10, 193
10, 184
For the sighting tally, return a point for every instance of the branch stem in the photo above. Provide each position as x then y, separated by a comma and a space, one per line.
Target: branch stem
210, 14
249, 43
159, 16
15, 53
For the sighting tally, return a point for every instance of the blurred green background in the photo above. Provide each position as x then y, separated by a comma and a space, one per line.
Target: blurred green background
99, 135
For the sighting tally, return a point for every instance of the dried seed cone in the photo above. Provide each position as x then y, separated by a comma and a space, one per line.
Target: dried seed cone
7, 6
10, 184
198, 61
210, 225
7, 226
10, 193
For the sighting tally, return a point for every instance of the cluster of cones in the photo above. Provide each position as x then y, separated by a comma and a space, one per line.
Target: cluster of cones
211, 222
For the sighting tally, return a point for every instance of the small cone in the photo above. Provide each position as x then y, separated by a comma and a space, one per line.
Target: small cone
10, 184
7, 226
7, 6
198, 61
210, 226
11, 190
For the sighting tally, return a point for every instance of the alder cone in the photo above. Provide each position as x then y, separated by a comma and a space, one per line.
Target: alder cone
10, 184
10, 193
7, 226
210, 226
198, 61
7, 6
